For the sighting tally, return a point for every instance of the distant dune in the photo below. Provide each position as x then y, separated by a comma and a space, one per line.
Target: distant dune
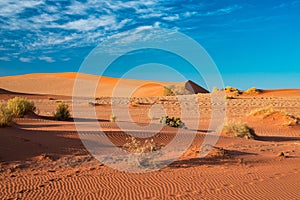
62, 84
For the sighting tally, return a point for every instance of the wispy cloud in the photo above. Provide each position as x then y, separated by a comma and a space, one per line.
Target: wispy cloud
88, 24
5, 58
222, 11
171, 17
11, 7
47, 59
26, 60
35, 25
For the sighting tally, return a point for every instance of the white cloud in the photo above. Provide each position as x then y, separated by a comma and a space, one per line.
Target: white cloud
171, 18
89, 24
23, 59
47, 59
12, 7
222, 11
5, 58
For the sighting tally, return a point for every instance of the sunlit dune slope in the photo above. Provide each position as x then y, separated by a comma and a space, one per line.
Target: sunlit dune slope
63, 83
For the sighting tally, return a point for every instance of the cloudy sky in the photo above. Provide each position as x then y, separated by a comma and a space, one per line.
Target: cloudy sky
253, 43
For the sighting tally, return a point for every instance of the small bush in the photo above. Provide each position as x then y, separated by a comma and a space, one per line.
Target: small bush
135, 146
231, 89
113, 118
215, 90
62, 112
20, 106
239, 129
172, 122
168, 92
6, 117
252, 90
229, 97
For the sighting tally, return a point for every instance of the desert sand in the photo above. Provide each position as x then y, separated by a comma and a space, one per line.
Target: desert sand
45, 159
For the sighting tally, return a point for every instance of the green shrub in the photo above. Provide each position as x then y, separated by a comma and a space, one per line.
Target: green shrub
62, 112
172, 122
6, 117
20, 106
239, 129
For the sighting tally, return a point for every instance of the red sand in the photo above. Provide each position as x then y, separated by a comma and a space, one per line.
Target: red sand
45, 159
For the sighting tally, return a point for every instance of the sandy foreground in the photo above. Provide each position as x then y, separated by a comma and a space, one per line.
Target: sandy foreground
45, 159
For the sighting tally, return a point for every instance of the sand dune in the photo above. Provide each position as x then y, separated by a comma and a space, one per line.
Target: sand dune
62, 84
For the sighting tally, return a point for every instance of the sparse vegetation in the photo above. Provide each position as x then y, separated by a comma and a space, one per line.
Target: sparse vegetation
172, 122
20, 106
288, 120
252, 90
135, 103
281, 154
6, 117
229, 97
168, 92
215, 90
145, 153
113, 118
135, 146
239, 129
231, 89
62, 112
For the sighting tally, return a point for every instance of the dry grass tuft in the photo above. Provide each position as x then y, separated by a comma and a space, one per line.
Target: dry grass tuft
136, 146
239, 129
20, 106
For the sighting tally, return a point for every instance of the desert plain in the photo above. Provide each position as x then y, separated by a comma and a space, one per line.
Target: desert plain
41, 158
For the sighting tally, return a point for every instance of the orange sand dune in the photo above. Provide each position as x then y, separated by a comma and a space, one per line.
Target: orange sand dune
282, 92
62, 84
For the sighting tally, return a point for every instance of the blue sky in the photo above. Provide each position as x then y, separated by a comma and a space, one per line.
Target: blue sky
253, 43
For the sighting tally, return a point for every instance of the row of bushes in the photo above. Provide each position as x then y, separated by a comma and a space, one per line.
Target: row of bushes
236, 91
19, 107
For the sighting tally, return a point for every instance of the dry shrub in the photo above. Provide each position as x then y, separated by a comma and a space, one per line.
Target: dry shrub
231, 89
168, 92
6, 117
215, 90
253, 90
288, 119
229, 97
19, 106
171, 121
239, 129
136, 146
112, 118
62, 112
